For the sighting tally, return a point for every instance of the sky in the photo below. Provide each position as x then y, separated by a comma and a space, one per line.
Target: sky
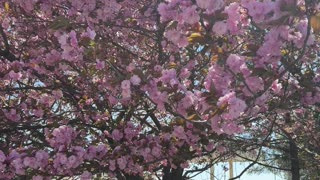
220, 174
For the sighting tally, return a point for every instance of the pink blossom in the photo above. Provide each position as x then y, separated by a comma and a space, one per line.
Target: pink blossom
12, 115
235, 62
258, 10
164, 163
135, 80
122, 162
272, 45
209, 147
73, 162
62, 39
50, 66
146, 153
210, 5
117, 135
168, 75
18, 165
157, 68
60, 161
276, 87
189, 100
91, 33
6, 23
27, 5
177, 38
189, 125
185, 73
129, 133
302, 27
159, 98
38, 177
42, 158
255, 84
89, 101
234, 17
216, 124
91, 153
78, 4
166, 12
230, 128
221, 149
130, 67
46, 100
126, 93
179, 132
220, 28
101, 150
86, 175
245, 70
100, 65
52, 57
125, 84
263, 99
204, 3
156, 151
38, 112
226, 98
218, 78
30, 162
73, 39
112, 165
79, 151
190, 15
62, 136
236, 106
57, 94
2, 157
15, 76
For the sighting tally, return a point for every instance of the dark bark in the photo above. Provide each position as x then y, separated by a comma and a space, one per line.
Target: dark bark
294, 159
172, 174
121, 176
128, 177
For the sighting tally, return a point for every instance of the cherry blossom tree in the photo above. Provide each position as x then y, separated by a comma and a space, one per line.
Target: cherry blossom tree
132, 89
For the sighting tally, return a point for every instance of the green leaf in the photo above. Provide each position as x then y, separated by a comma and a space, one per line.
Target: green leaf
60, 23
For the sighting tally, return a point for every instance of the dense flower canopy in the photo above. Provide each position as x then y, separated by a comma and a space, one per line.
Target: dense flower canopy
134, 88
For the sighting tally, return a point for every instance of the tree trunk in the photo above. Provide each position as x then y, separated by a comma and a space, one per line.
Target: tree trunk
130, 177
121, 176
172, 174
295, 167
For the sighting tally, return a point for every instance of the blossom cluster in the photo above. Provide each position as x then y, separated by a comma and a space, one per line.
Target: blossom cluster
127, 87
